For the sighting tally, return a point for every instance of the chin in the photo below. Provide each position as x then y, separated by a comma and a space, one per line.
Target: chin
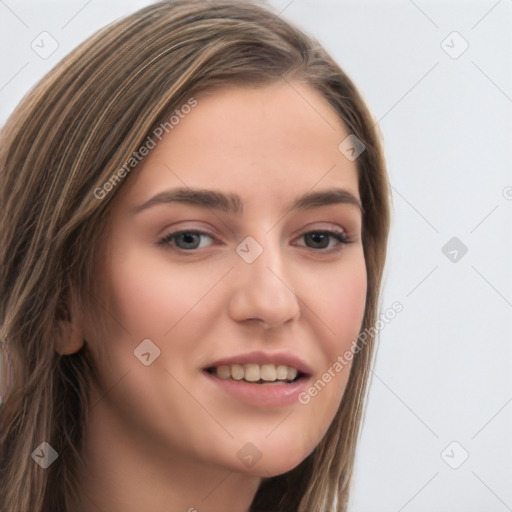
276, 461
276, 468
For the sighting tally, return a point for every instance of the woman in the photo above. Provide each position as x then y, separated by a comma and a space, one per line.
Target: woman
194, 222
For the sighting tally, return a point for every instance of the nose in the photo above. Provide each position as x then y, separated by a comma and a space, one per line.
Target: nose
263, 291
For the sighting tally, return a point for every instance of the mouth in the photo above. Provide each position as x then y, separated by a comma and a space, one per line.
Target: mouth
260, 379
264, 374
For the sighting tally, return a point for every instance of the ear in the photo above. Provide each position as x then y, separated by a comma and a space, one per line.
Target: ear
69, 337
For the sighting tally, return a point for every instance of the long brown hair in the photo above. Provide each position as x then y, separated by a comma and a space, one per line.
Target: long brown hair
74, 131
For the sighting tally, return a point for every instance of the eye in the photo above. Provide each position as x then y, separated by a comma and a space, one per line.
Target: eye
185, 240
322, 239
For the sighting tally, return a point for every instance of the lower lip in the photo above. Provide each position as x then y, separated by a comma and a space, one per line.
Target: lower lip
261, 395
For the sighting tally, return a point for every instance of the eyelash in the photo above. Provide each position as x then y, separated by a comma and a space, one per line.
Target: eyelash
339, 236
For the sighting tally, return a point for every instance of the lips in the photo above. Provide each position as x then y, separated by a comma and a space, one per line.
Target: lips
247, 378
260, 358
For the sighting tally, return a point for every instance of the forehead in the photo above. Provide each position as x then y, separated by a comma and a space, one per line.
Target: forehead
267, 142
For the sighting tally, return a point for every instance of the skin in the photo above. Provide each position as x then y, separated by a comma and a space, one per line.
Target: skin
160, 437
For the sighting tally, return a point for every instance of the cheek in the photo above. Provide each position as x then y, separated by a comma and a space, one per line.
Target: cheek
340, 306
151, 298
340, 303
349, 303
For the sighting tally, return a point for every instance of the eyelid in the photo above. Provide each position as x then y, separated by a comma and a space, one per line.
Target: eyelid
328, 226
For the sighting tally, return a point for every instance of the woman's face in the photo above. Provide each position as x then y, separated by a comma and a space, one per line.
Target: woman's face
254, 279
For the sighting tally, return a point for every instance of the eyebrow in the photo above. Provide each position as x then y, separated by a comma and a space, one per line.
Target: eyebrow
232, 203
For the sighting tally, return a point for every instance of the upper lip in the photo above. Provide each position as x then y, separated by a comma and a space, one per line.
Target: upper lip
259, 357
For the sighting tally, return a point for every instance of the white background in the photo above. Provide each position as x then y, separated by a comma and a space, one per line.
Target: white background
444, 363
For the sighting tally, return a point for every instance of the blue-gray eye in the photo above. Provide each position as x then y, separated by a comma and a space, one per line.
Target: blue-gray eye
184, 240
191, 240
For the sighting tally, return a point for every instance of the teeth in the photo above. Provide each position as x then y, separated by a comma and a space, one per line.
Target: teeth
268, 372
292, 373
254, 372
282, 372
224, 372
237, 372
